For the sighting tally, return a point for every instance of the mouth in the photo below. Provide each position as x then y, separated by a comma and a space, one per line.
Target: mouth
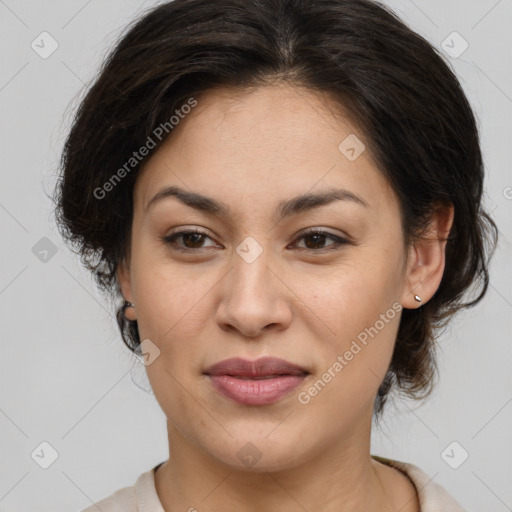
260, 382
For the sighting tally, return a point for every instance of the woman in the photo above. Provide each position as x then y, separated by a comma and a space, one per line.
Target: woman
286, 197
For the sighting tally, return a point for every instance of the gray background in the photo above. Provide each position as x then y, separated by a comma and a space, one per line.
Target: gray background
66, 377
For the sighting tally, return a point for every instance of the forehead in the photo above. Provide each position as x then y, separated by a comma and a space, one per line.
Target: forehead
269, 142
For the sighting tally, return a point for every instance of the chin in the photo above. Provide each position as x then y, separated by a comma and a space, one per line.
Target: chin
257, 452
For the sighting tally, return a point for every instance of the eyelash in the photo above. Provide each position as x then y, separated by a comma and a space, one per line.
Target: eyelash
338, 241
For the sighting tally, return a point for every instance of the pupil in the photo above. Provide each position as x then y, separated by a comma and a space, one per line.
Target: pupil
316, 237
195, 236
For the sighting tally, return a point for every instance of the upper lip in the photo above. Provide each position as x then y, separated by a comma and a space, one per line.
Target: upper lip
264, 366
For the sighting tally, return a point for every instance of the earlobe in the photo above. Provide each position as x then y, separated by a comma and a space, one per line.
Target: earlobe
427, 259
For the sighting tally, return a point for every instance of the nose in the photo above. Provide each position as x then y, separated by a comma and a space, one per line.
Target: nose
255, 296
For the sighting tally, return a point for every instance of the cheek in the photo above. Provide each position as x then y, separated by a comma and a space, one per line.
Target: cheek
172, 311
353, 297
168, 294
172, 319
169, 390
364, 338
353, 369
363, 315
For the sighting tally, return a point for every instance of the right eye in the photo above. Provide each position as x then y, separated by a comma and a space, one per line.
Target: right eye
193, 237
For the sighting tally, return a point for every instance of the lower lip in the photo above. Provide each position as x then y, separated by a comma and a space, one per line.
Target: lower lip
256, 392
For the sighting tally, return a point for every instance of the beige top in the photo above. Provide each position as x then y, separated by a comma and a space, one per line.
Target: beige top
142, 496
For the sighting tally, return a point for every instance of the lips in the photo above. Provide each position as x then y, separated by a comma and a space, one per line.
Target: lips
255, 383
260, 369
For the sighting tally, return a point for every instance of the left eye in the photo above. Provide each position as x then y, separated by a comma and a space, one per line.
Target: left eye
319, 237
196, 238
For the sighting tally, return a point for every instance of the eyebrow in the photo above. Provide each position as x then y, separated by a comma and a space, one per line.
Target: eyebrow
286, 208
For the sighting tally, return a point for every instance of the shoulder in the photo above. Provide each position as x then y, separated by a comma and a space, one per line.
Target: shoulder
140, 497
432, 496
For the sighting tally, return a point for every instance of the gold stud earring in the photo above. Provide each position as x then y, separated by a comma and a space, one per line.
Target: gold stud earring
127, 305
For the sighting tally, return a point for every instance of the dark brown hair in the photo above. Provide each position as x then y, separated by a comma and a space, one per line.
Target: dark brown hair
415, 118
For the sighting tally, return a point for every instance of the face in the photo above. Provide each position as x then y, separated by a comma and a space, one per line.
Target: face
254, 284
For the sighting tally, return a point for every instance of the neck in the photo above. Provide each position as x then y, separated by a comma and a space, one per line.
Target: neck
342, 478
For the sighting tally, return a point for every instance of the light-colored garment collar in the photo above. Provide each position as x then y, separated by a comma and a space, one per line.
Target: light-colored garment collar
431, 496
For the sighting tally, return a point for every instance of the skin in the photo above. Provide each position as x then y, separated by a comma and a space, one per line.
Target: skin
252, 149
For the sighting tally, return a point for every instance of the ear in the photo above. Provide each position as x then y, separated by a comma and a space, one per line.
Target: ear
124, 279
427, 259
